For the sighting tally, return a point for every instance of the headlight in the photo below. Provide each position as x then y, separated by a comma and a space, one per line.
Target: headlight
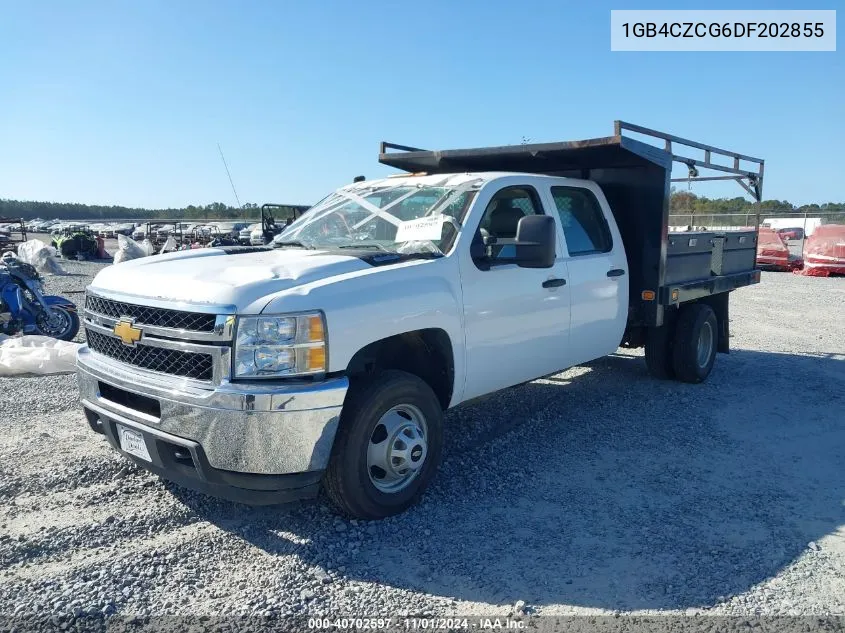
276, 346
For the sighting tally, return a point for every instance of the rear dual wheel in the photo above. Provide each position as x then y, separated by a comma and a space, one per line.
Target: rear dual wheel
686, 348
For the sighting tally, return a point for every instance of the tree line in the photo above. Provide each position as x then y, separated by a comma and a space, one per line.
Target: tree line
686, 201
30, 210
687, 207
680, 202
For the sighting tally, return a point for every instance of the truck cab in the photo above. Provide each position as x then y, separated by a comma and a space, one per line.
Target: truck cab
328, 358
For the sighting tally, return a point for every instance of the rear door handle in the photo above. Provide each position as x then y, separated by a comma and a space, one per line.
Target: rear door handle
615, 272
554, 283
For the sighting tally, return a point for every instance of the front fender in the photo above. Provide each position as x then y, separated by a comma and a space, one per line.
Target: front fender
369, 305
55, 300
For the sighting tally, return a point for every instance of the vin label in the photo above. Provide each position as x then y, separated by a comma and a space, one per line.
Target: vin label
728, 30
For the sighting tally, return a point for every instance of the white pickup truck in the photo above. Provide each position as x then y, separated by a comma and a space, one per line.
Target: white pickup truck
261, 374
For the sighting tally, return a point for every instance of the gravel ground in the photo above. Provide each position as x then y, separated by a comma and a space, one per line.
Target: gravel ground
597, 491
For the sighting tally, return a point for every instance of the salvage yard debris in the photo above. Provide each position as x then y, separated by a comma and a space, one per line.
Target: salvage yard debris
773, 252
42, 256
128, 249
43, 355
824, 251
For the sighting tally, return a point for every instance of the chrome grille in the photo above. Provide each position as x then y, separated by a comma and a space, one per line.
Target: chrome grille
157, 317
167, 361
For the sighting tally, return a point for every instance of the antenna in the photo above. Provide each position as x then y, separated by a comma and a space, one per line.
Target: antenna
229, 175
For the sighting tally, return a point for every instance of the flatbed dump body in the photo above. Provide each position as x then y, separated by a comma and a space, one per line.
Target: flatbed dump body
635, 176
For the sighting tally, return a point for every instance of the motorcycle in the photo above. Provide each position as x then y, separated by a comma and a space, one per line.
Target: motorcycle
25, 308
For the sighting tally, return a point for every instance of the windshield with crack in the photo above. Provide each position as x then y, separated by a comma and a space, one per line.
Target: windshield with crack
396, 218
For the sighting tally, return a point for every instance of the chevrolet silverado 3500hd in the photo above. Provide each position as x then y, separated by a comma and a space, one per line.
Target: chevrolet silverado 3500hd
260, 374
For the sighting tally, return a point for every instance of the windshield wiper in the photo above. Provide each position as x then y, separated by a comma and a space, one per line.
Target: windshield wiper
364, 246
293, 243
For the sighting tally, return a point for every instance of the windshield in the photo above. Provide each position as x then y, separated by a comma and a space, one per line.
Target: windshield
401, 218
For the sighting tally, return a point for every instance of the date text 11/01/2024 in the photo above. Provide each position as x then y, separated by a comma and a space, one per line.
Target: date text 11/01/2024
416, 624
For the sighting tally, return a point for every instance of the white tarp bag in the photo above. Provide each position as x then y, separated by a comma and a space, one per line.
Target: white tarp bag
40, 255
127, 249
148, 247
169, 245
36, 355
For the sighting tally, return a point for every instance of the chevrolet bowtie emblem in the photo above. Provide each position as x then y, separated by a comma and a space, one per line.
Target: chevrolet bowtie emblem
127, 332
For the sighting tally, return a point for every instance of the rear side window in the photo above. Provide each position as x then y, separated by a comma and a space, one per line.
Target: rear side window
584, 224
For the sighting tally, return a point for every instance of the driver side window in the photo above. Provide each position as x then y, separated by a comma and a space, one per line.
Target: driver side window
502, 216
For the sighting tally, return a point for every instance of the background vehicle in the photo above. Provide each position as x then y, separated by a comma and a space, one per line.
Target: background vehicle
159, 231
226, 230
202, 234
256, 236
75, 241
773, 252
245, 233
12, 233
44, 227
275, 218
28, 309
126, 229
824, 251
807, 224
139, 233
794, 233
338, 350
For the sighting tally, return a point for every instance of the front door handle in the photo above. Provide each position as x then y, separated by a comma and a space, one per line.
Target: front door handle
554, 283
615, 272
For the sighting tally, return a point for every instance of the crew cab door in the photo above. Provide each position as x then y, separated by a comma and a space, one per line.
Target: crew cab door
516, 320
598, 271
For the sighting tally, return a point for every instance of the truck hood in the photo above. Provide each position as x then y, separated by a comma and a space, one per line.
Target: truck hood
222, 277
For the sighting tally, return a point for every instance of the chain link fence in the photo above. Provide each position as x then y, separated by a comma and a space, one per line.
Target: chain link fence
794, 227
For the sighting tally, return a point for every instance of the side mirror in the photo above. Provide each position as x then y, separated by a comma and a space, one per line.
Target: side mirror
535, 241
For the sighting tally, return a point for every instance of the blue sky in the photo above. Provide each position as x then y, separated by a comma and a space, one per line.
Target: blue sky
119, 102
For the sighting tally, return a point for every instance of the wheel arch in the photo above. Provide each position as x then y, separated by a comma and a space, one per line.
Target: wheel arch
427, 353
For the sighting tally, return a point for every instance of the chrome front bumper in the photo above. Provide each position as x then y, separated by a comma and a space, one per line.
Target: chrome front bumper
253, 428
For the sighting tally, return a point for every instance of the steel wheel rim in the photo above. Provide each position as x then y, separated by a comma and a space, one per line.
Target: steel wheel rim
705, 344
397, 448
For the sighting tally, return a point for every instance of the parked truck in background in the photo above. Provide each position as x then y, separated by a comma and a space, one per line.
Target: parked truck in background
329, 357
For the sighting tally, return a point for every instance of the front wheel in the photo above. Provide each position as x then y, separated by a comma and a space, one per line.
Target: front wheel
387, 448
63, 325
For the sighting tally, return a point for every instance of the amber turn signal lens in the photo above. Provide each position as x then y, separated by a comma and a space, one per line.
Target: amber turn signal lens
648, 295
315, 329
316, 358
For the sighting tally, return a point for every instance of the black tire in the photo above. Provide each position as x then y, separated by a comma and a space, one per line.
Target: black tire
67, 333
347, 481
695, 343
658, 351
